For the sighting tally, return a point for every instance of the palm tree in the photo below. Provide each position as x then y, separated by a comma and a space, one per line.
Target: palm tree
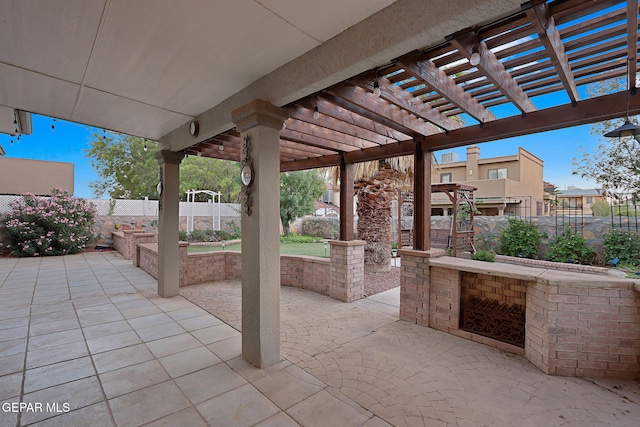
376, 185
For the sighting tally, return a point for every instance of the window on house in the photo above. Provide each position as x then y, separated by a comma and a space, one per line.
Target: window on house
498, 173
573, 203
589, 200
445, 177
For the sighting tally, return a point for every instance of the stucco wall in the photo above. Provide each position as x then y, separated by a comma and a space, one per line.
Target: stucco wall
19, 176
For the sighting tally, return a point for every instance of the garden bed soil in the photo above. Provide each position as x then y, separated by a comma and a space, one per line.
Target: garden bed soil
374, 283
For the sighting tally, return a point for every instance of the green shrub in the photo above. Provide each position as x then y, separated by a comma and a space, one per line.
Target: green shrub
521, 239
484, 256
296, 238
198, 236
487, 240
601, 208
183, 236
56, 225
217, 235
570, 247
622, 245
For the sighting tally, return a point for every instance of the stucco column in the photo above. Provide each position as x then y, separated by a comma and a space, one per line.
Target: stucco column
168, 211
259, 124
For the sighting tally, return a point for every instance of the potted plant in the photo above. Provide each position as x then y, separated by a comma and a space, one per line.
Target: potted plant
394, 249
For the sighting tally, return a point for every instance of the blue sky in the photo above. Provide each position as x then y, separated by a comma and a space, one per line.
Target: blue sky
69, 140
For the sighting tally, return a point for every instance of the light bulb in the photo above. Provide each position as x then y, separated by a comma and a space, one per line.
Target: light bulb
145, 147
475, 57
221, 148
376, 89
316, 113
199, 153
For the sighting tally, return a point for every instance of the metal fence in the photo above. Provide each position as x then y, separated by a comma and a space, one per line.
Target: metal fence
624, 216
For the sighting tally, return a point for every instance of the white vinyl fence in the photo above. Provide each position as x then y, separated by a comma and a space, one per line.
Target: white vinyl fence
147, 207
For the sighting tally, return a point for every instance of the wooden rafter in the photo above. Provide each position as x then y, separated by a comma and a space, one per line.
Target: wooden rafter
305, 114
493, 70
550, 38
632, 39
403, 99
422, 68
362, 102
546, 47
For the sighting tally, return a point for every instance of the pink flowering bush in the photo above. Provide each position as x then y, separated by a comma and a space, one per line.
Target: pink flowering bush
56, 225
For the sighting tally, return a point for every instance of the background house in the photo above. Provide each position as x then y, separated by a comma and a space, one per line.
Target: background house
505, 185
577, 201
19, 176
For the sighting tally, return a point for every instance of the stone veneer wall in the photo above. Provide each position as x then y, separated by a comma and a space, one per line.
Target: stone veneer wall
576, 324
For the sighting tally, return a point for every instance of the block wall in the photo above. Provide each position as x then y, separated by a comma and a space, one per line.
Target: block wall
347, 270
584, 331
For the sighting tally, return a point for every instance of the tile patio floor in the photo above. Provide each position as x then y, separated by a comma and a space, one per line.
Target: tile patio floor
90, 331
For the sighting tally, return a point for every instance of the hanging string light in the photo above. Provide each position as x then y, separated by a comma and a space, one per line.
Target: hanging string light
316, 113
145, 144
628, 128
221, 148
104, 135
53, 125
376, 86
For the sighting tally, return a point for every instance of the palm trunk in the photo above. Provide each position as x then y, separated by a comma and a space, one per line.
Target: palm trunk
374, 227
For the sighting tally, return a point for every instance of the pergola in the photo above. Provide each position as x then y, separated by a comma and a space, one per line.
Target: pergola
386, 78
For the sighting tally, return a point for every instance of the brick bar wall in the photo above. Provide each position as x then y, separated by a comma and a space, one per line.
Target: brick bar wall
584, 331
347, 270
502, 289
416, 292
444, 304
414, 287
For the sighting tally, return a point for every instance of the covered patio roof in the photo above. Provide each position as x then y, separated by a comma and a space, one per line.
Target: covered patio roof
531, 70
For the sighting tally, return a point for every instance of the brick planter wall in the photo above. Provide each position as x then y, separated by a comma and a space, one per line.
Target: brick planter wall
347, 270
126, 241
306, 272
310, 273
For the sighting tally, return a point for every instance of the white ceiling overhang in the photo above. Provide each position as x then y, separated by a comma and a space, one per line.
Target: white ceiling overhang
147, 67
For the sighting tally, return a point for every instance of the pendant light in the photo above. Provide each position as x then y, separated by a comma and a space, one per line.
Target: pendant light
628, 128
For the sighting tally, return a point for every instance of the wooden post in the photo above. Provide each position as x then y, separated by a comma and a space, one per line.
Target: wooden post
422, 198
346, 200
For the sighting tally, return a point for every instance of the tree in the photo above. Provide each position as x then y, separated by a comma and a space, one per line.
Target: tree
615, 165
298, 193
127, 170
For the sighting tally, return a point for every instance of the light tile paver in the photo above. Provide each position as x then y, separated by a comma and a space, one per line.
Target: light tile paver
210, 382
121, 357
343, 364
148, 404
133, 377
244, 406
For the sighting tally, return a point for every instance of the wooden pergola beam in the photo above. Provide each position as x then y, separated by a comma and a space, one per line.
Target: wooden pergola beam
422, 68
586, 111
394, 94
315, 141
632, 39
328, 134
550, 38
493, 70
362, 102
326, 119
